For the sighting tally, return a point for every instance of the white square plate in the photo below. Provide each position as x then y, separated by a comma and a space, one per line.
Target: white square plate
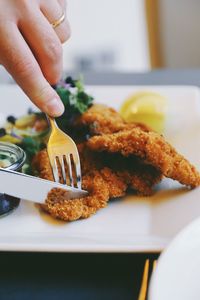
131, 224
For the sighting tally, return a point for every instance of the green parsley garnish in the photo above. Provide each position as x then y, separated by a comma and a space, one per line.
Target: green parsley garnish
75, 100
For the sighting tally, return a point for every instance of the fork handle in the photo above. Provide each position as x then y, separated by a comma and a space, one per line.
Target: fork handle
52, 122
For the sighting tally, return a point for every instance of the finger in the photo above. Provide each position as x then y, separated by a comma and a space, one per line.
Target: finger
44, 44
53, 11
63, 4
21, 64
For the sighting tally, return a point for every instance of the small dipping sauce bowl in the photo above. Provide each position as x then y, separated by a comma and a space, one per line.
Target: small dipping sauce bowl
12, 158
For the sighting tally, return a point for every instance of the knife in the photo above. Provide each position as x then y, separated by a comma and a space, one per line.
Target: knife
32, 188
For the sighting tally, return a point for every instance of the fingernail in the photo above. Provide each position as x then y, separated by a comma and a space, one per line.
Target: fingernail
55, 107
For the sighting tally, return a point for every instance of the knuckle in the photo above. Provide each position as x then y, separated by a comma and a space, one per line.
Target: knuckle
42, 95
54, 51
23, 67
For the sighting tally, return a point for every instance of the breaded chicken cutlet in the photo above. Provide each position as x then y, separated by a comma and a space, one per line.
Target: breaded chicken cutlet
102, 178
101, 185
152, 149
138, 176
101, 119
115, 156
112, 134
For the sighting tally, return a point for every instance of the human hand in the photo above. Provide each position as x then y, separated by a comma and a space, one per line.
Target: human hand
31, 49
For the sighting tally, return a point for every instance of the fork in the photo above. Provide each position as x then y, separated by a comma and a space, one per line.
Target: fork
145, 279
64, 157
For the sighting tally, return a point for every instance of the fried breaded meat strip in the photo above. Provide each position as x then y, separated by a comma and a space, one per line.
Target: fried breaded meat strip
152, 149
104, 177
101, 185
101, 119
116, 157
137, 175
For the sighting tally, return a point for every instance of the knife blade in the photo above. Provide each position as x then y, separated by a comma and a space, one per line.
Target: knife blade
32, 188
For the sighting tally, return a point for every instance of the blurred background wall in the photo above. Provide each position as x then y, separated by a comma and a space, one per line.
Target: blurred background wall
133, 35
107, 35
180, 33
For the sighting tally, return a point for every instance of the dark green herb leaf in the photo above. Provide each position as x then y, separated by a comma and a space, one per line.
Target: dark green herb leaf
75, 100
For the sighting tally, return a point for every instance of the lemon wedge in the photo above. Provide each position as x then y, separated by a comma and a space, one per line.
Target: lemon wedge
145, 107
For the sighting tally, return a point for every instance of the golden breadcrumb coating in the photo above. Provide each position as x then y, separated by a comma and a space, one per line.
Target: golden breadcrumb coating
103, 177
152, 149
69, 210
118, 156
101, 185
137, 175
101, 119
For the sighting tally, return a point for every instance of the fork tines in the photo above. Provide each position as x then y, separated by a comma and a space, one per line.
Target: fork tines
66, 171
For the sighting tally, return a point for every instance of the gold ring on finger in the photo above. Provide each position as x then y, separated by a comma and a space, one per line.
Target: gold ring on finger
56, 23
